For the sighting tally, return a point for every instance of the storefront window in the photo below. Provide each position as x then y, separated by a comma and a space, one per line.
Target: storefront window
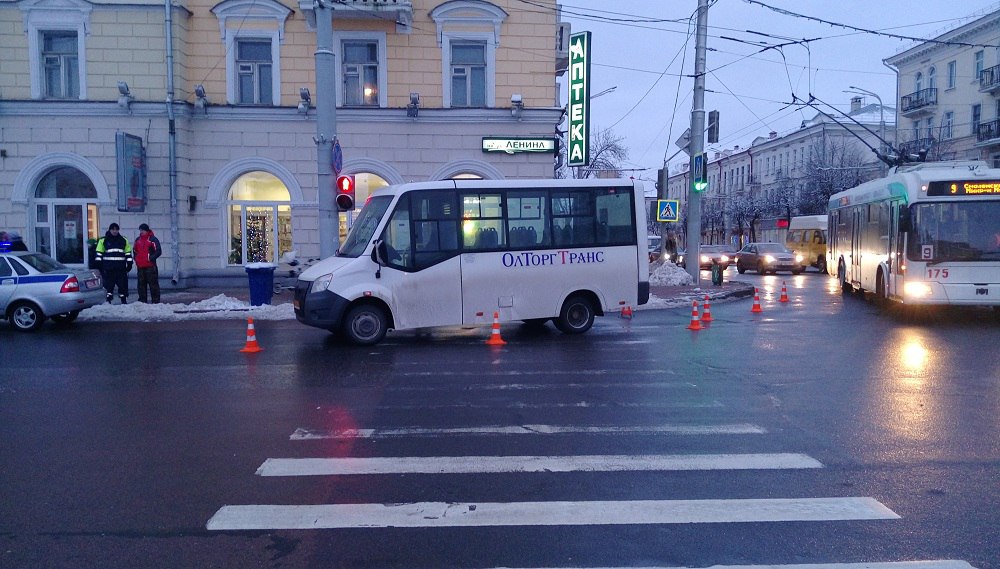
65, 221
260, 219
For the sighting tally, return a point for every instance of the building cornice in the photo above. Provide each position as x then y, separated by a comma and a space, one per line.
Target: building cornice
959, 34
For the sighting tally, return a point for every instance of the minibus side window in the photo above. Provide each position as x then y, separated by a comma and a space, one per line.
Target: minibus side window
573, 218
614, 217
527, 219
435, 216
482, 222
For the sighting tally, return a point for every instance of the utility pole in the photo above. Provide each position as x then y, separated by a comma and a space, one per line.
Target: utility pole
326, 131
697, 143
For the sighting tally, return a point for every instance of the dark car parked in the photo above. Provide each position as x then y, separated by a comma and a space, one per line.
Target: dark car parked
768, 257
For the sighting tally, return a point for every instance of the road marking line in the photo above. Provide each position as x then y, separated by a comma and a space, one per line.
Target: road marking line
302, 434
673, 404
481, 464
936, 564
638, 512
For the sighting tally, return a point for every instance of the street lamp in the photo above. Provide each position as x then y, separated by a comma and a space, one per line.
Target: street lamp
881, 112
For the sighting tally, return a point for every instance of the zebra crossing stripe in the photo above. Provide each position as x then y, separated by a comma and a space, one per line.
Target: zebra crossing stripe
302, 434
561, 513
939, 564
495, 464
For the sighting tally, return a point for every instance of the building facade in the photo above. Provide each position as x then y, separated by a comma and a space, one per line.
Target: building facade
226, 171
781, 175
949, 93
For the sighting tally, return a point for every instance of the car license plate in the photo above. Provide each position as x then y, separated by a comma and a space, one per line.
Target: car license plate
91, 283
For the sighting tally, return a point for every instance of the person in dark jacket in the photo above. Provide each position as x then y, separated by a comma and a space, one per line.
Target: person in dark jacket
114, 255
146, 251
16, 242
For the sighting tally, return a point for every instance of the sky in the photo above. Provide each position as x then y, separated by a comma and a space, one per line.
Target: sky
643, 60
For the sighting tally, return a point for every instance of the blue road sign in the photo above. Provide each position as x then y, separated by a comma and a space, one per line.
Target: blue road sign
337, 158
667, 210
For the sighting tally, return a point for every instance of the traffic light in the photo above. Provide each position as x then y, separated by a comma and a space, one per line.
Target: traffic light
713, 127
345, 193
700, 173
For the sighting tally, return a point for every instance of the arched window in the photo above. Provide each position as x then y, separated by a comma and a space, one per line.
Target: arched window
931, 78
260, 219
64, 211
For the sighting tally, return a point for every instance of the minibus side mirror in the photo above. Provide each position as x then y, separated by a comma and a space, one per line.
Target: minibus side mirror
380, 252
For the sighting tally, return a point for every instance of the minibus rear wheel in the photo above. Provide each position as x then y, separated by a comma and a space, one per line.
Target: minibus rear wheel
576, 316
365, 324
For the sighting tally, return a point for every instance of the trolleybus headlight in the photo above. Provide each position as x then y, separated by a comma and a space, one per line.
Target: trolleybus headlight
917, 289
322, 283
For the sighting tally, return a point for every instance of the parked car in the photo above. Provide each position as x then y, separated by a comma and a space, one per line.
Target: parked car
768, 257
34, 286
654, 242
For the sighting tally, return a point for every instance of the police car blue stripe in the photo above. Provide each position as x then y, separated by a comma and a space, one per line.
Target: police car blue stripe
42, 279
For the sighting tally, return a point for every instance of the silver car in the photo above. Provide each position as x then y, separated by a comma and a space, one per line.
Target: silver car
34, 286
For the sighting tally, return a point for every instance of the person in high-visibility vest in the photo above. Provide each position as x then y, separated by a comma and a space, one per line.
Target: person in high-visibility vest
114, 256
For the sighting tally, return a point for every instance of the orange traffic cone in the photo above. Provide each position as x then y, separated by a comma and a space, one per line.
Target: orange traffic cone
627, 312
756, 301
706, 313
695, 321
784, 293
495, 339
252, 347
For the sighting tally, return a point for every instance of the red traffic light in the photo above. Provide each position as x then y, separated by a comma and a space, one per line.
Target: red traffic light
345, 193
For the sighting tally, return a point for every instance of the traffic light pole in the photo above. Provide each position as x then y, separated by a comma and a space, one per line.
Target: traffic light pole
326, 131
697, 145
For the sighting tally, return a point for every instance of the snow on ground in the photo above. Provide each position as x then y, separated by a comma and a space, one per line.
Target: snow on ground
215, 308
226, 307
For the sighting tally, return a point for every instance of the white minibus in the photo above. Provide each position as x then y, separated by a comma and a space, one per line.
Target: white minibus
455, 252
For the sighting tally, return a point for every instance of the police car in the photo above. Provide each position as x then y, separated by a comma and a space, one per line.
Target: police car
34, 286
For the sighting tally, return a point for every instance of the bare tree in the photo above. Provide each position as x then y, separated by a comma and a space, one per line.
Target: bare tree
607, 153
744, 210
833, 166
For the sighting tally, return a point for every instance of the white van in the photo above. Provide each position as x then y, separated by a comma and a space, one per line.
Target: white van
456, 251
807, 237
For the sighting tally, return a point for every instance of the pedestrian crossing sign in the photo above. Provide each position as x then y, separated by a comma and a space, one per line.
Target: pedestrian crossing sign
667, 210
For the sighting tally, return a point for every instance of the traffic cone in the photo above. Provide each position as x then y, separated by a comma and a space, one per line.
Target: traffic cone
695, 322
756, 301
495, 339
706, 313
252, 347
784, 293
627, 312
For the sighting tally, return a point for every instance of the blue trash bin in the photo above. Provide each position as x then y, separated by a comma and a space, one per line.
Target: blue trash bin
261, 279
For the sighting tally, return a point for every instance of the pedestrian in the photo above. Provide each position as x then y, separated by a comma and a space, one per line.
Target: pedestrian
147, 250
16, 242
114, 255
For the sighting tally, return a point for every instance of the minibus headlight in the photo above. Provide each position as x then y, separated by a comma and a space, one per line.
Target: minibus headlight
322, 283
768, 259
916, 289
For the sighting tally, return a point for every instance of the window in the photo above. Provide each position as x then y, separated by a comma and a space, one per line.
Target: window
254, 77
468, 74
977, 116
61, 65
572, 218
434, 218
932, 78
360, 73
527, 214
947, 124
918, 82
260, 219
952, 73
930, 127
978, 65
916, 130
482, 222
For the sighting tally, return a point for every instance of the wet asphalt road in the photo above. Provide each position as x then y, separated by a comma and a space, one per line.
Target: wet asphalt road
122, 440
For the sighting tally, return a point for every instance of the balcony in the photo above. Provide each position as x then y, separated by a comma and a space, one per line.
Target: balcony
989, 80
915, 146
918, 104
398, 11
988, 132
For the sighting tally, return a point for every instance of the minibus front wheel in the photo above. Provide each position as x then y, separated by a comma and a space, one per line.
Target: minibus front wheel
576, 316
365, 324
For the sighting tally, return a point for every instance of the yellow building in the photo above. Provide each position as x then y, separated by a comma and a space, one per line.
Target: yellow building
230, 163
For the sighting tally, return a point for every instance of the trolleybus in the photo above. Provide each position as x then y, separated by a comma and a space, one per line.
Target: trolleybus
927, 233
455, 252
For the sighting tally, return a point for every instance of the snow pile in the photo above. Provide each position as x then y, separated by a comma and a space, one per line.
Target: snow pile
668, 274
217, 307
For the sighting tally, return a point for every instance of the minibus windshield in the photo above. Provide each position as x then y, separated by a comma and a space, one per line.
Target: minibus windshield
364, 227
